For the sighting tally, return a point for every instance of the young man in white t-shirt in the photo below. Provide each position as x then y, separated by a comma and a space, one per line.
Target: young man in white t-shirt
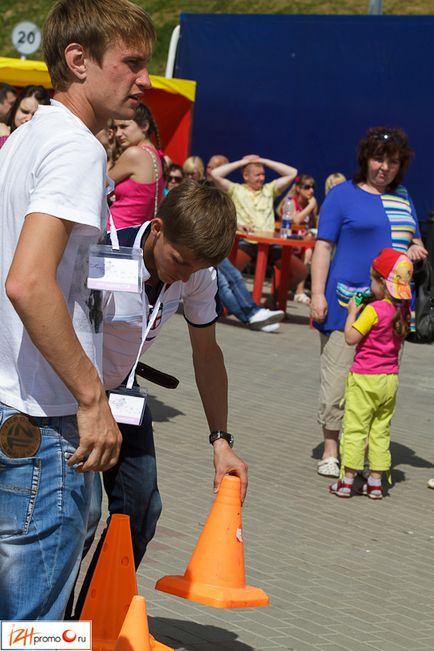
55, 420
194, 229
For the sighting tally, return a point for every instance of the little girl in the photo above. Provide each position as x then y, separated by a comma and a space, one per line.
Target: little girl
372, 383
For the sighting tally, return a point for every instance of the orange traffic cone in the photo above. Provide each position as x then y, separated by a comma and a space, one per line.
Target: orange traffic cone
113, 585
134, 635
215, 575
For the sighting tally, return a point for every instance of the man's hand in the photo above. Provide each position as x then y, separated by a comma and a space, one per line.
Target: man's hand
100, 438
251, 158
244, 229
318, 308
226, 462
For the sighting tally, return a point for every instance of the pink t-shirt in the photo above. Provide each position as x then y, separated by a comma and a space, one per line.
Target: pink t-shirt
135, 202
378, 351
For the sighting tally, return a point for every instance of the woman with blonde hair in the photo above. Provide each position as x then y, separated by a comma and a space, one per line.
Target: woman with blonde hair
332, 180
194, 168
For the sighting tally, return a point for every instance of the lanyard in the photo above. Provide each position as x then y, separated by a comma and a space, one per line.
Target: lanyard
145, 330
113, 233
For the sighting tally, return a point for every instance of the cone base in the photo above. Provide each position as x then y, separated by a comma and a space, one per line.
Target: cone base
210, 595
103, 645
158, 646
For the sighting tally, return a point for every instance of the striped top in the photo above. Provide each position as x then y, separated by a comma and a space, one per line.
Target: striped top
399, 213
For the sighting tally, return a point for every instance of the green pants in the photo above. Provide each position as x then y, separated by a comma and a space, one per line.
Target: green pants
369, 406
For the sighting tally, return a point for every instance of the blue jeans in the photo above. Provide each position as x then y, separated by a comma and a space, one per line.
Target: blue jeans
44, 507
233, 292
131, 487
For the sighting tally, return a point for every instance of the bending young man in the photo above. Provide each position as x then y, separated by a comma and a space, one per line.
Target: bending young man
194, 229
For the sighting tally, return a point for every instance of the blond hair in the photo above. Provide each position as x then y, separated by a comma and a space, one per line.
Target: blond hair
332, 180
194, 164
95, 25
201, 218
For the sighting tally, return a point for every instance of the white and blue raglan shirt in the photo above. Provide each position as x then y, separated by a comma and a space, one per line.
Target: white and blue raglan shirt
124, 312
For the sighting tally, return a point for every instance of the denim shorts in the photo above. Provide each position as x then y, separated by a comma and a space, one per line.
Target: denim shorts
44, 508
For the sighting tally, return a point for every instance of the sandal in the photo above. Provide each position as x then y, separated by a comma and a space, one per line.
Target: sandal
374, 492
302, 298
341, 488
328, 467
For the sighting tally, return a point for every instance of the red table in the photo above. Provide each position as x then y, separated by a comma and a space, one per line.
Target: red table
264, 239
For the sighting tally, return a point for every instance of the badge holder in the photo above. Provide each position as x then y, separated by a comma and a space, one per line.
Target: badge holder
115, 268
128, 402
128, 405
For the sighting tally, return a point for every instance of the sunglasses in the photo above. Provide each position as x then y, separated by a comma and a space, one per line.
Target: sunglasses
389, 135
308, 186
175, 179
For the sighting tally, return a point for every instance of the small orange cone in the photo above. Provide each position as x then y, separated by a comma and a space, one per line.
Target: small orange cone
113, 585
134, 635
215, 575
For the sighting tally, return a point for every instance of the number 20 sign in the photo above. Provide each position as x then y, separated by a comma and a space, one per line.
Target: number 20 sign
26, 37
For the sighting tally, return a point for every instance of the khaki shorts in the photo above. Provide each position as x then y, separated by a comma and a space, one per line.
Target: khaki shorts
336, 360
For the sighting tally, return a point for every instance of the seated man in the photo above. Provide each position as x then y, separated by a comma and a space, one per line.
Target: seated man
237, 299
232, 289
254, 204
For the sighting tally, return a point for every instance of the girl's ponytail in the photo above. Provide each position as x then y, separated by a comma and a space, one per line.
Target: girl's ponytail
401, 320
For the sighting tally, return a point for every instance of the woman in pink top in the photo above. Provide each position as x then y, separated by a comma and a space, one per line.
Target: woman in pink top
138, 172
372, 383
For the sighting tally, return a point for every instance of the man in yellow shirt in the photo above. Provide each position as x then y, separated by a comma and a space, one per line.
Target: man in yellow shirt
254, 200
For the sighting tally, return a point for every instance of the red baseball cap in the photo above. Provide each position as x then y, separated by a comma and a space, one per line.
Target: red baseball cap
397, 269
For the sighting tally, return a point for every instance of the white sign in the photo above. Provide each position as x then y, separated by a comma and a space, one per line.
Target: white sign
26, 37
46, 635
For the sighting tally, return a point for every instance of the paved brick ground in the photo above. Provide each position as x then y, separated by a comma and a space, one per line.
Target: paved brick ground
341, 574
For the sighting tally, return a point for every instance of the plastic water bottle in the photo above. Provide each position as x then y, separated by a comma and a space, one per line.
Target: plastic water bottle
287, 215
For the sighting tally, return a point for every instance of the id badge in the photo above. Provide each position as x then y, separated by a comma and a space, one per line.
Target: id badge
128, 405
118, 270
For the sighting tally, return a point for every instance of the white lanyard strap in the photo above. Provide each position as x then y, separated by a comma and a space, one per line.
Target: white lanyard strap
113, 233
145, 331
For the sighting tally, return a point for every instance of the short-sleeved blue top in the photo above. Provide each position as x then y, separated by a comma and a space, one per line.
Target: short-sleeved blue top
360, 225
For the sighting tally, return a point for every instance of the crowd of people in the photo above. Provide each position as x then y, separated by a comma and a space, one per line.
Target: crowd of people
69, 350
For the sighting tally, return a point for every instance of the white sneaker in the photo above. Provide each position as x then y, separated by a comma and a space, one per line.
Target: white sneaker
329, 467
273, 327
264, 317
302, 298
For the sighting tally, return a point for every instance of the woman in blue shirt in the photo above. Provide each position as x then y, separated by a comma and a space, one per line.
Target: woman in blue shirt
357, 220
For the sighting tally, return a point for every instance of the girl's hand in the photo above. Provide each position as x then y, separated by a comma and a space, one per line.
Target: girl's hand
353, 308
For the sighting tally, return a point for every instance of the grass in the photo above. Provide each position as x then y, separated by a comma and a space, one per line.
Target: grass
165, 14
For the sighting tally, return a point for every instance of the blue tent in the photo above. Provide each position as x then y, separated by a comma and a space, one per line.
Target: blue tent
303, 89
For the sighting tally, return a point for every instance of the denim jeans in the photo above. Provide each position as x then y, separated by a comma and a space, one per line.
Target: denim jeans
233, 292
132, 489
44, 507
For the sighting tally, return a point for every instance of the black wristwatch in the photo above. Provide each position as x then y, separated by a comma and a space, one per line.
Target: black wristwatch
215, 436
